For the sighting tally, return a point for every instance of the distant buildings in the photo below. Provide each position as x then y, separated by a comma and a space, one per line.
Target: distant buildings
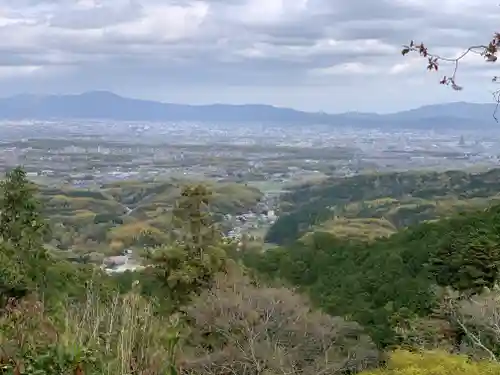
121, 263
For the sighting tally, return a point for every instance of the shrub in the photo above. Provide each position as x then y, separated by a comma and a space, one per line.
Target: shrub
239, 328
119, 338
434, 363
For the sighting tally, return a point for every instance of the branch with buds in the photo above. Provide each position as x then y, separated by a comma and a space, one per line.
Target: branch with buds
488, 52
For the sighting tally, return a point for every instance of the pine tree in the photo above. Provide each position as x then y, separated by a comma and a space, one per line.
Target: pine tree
195, 253
193, 224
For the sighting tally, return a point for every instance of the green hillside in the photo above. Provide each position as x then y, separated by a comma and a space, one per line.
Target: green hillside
356, 228
391, 279
402, 199
395, 303
117, 213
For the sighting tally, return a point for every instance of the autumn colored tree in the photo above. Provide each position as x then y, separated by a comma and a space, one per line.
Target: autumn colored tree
239, 327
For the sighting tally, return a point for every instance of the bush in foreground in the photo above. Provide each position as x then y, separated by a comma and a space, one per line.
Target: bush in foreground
434, 363
93, 338
241, 328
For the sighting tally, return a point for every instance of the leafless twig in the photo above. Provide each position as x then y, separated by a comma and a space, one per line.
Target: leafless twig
488, 52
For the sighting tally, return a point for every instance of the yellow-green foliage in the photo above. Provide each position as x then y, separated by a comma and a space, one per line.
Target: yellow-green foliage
134, 233
83, 217
226, 198
144, 197
402, 198
360, 229
390, 208
371, 219
238, 193
434, 363
67, 204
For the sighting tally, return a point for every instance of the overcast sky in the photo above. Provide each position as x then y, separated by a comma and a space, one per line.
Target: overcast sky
331, 55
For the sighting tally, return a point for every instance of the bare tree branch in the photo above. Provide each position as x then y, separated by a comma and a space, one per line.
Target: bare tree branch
489, 52
479, 320
476, 339
261, 330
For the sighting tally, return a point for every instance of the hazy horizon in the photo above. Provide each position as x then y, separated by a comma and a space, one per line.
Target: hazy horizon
240, 103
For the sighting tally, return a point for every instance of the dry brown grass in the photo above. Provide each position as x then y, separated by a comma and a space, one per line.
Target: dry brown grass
119, 338
235, 328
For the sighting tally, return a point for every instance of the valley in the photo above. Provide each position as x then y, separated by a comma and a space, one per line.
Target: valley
105, 183
370, 235
248, 187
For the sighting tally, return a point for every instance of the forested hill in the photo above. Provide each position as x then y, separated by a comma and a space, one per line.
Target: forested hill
113, 216
397, 199
387, 283
195, 310
144, 198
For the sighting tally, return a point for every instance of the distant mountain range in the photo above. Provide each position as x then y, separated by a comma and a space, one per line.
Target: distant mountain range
108, 106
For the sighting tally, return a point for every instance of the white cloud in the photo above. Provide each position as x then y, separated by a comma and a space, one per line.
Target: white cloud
354, 68
265, 12
198, 50
162, 23
17, 71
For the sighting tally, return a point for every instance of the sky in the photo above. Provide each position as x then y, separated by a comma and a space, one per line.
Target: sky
314, 55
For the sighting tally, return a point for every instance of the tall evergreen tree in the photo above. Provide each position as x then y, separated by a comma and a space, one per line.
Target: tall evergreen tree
196, 253
193, 224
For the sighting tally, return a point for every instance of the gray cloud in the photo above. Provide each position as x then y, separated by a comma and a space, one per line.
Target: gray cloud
205, 49
96, 18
